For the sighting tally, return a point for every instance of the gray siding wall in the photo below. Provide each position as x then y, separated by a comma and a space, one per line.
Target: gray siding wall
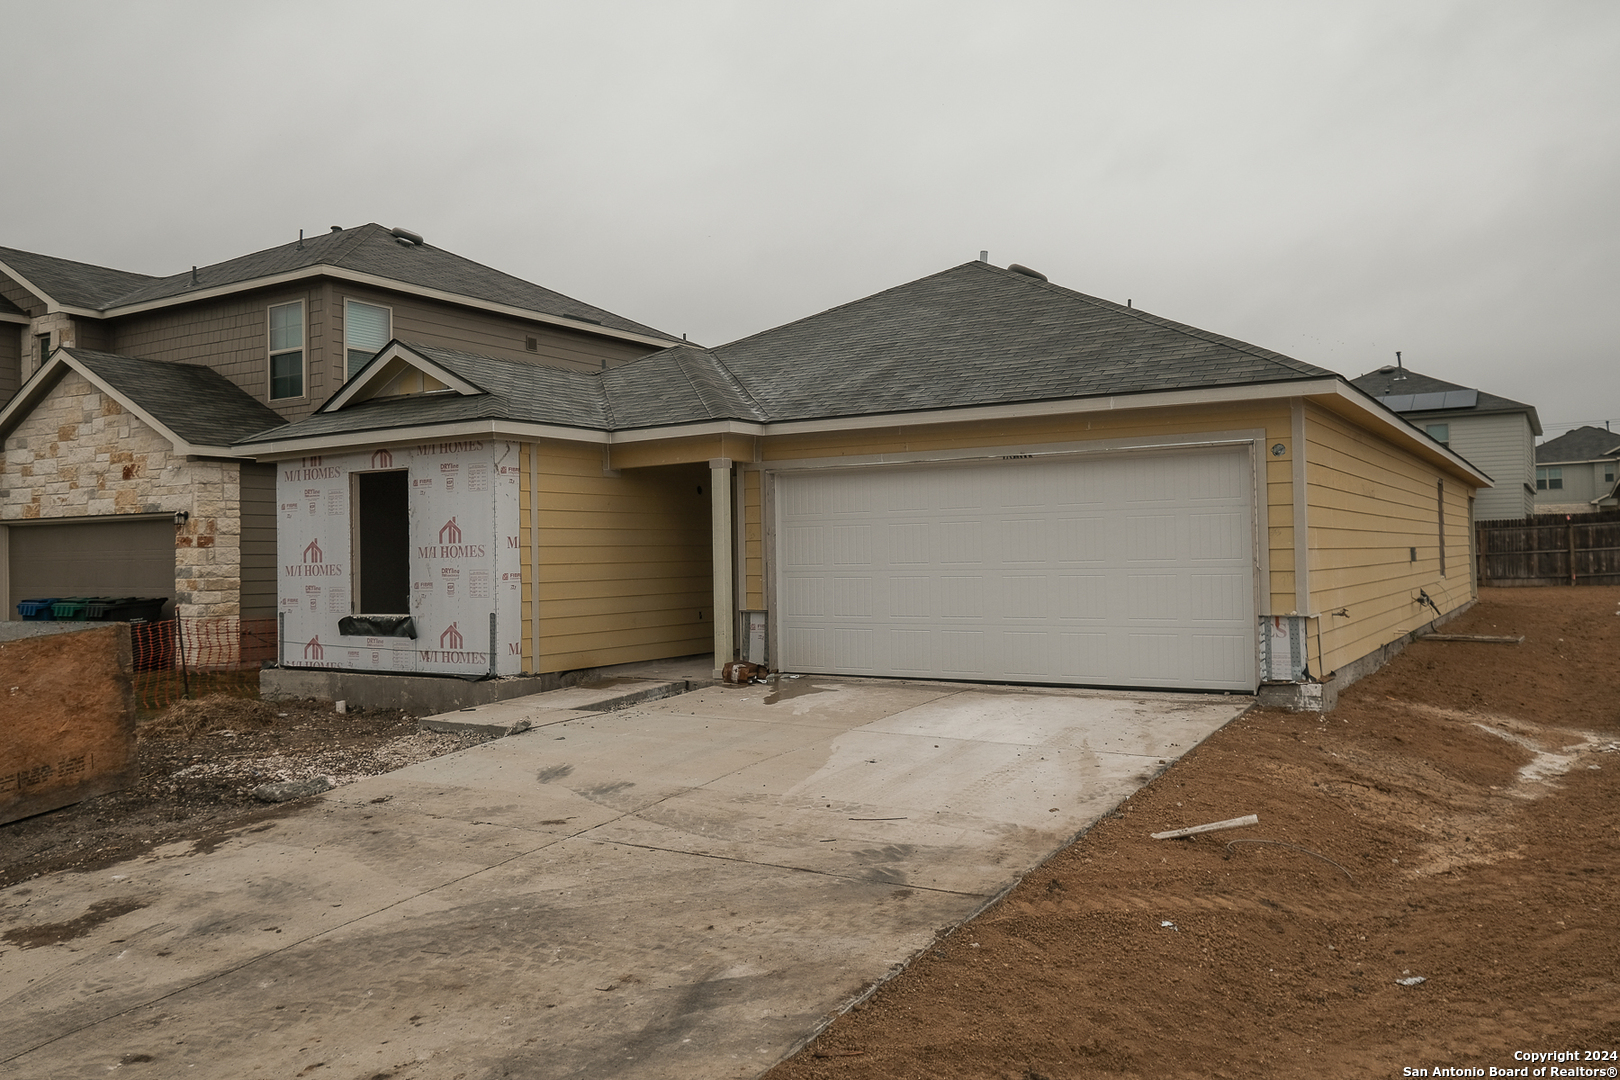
11, 338
505, 337
27, 301
258, 541
1504, 446
231, 335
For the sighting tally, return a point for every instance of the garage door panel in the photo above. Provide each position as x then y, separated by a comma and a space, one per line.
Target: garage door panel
1128, 570
92, 558
1216, 536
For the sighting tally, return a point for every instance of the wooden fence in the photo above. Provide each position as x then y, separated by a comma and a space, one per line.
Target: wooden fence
1550, 549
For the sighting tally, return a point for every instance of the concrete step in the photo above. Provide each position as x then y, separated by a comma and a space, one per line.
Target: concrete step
553, 706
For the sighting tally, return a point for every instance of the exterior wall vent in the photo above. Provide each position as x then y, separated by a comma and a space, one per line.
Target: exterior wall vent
532, 344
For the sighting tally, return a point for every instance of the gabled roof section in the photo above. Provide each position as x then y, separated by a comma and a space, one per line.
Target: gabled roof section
1580, 444
977, 334
195, 408
67, 282
509, 390
367, 253
382, 371
1402, 390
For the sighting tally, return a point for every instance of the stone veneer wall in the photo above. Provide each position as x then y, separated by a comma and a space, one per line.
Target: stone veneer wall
79, 455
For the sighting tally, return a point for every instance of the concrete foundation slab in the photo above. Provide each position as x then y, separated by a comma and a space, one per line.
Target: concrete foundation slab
686, 887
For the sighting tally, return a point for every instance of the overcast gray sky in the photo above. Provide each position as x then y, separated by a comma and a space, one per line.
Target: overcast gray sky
1332, 180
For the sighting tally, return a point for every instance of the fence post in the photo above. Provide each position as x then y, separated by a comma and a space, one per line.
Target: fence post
1571, 530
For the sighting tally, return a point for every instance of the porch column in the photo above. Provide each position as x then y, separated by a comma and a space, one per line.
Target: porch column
725, 616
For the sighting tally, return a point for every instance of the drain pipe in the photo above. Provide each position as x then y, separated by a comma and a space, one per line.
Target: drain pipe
281, 639
492, 644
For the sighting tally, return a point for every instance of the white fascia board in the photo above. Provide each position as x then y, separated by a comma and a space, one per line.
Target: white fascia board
377, 281
21, 320
1392, 426
1375, 417
372, 372
407, 436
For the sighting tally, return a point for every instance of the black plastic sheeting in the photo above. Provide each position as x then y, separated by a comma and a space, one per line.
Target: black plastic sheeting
377, 626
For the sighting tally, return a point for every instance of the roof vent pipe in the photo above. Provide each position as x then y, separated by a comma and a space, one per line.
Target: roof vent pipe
984, 256
1026, 271
406, 236
1400, 371
194, 279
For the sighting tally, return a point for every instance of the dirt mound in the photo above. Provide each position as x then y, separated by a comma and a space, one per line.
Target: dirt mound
216, 712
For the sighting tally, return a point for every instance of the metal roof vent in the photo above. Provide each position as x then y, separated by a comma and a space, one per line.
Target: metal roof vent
406, 237
1026, 271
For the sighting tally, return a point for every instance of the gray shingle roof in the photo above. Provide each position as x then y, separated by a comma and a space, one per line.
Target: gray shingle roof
76, 284
197, 403
1580, 444
980, 335
1391, 380
369, 249
970, 336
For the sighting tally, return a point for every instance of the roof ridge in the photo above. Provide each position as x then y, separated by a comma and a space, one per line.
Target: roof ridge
839, 307
1186, 329
683, 352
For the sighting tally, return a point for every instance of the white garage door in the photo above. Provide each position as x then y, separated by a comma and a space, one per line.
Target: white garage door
1129, 570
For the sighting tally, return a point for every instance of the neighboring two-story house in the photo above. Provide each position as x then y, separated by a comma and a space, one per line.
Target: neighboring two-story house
122, 396
1578, 472
1495, 433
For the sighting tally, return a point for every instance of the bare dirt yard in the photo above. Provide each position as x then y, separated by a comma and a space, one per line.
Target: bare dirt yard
200, 762
1456, 821
1432, 883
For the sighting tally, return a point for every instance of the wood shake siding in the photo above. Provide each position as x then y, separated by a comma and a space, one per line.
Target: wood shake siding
431, 322
625, 564
1370, 504
258, 493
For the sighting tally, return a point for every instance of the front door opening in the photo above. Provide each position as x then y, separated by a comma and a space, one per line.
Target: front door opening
383, 543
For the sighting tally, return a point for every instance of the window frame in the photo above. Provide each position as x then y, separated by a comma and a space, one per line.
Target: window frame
388, 334
1549, 478
1444, 438
274, 353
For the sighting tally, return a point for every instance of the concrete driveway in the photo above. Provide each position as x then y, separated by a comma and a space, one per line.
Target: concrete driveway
689, 887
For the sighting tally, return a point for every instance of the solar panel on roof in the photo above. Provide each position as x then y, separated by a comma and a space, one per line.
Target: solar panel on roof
1397, 402
1461, 399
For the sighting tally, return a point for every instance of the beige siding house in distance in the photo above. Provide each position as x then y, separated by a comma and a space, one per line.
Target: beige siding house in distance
978, 475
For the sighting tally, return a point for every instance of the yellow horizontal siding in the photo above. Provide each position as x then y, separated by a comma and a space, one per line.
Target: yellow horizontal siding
1370, 504
625, 565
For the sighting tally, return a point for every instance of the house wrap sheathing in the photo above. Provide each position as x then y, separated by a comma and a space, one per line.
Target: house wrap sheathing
465, 568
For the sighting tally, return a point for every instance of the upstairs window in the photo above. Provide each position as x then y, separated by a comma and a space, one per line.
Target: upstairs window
1549, 479
42, 345
287, 350
1440, 433
366, 329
